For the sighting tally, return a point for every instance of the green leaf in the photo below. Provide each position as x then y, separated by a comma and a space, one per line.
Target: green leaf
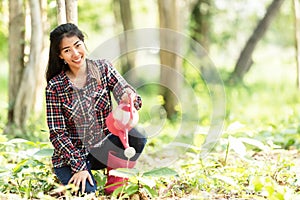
32, 144
124, 172
132, 189
279, 196
117, 191
255, 143
151, 192
20, 166
257, 183
35, 163
18, 140
161, 172
44, 152
270, 189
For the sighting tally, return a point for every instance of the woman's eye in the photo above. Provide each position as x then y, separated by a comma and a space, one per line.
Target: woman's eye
78, 45
67, 50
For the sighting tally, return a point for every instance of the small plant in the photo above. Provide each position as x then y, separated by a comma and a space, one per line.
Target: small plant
145, 183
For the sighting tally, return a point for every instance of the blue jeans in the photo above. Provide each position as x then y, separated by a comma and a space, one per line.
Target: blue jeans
97, 158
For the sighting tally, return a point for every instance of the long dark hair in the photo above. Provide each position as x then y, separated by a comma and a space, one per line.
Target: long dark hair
55, 63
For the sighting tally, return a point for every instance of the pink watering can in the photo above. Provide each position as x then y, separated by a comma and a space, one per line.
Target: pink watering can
120, 121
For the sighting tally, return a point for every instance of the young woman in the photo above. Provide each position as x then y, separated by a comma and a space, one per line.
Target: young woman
78, 100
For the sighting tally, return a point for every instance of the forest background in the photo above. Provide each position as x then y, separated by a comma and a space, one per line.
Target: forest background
255, 150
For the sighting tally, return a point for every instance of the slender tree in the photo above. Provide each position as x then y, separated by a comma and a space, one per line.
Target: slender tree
245, 59
67, 11
43, 61
72, 11
169, 18
123, 16
24, 101
200, 22
16, 55
296, 9
61, 11
23, 75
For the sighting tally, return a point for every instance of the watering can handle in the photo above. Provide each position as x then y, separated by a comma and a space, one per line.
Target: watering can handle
131, 104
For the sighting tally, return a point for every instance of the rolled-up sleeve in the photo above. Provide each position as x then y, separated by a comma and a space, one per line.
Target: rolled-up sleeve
117, 84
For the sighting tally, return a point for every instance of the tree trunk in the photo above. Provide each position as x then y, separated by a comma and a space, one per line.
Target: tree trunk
67, 11
72, 11
25, 101
245, 60
127, 22
168, 18
200, 22
124, 22
61, 12
126, 17
41, 83
16, 54
297, 38
117, 15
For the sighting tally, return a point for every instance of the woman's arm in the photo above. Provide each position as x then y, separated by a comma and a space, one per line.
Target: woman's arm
58, 134
119, 86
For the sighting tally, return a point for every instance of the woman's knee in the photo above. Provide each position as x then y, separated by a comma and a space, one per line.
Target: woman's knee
137, 139
63, 174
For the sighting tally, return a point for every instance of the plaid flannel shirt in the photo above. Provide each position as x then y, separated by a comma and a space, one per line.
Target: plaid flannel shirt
76, 117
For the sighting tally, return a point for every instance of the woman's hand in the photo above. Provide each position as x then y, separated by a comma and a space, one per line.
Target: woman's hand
80, 178
126, 96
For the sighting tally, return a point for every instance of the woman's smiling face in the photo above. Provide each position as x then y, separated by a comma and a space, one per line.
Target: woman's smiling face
72, 51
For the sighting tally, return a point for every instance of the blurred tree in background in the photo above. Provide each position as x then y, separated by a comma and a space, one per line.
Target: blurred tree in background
26, 51
123, 17
200, 22
169, 16
245, 59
